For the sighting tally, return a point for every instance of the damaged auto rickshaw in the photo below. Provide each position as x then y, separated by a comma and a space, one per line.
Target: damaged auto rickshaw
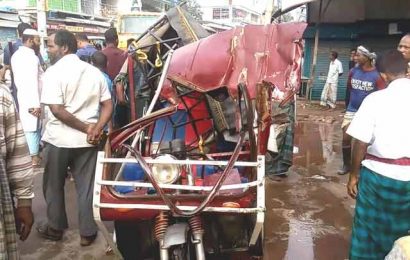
190, 166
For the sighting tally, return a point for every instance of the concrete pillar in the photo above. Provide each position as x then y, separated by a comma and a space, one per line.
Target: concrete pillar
42, 22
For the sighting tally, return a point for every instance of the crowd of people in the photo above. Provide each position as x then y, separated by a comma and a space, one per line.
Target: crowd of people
61, 111
375, 147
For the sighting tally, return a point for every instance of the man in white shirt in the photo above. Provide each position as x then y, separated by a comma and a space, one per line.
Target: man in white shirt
80, 105
329, 93
381, 158
28, 73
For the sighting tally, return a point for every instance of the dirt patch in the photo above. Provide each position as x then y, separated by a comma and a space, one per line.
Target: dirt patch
311, 111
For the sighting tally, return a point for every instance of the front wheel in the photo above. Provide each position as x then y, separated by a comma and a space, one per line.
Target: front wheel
256, 251
185, 251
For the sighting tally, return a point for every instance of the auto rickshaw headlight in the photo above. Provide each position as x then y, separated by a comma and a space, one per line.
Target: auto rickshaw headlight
166, 173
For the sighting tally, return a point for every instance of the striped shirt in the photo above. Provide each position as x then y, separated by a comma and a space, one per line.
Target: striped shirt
16, 173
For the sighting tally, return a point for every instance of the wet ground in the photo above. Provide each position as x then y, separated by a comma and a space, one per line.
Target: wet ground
308, 213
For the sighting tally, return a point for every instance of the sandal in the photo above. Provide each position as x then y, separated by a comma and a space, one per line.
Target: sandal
49, 233
87, 240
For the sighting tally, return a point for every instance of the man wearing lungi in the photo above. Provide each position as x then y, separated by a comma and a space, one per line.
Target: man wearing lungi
363, 79
380, 176
329, 92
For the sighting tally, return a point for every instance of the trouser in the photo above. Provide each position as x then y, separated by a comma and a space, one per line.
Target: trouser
33, 141
329, 95
121, 116
347, 98
82, 163
347, 141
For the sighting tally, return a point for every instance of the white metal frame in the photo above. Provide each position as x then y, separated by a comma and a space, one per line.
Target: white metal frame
259, 210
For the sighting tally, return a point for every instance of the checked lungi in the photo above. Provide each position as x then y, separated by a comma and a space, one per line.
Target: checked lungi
382, 215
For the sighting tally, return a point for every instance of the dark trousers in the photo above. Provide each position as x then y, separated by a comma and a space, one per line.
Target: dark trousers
82, 163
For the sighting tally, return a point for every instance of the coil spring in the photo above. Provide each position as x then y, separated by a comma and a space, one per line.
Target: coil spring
195, 223
161, 225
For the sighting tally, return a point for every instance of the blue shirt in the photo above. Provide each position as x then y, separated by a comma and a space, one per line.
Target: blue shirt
86, 52
7, 54
361, 84
109, 84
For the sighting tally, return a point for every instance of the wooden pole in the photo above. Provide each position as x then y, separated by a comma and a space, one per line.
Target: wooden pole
315, 50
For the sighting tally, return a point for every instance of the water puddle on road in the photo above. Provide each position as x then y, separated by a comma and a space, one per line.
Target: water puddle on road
306, 216
306, 222
300, 241
317, 143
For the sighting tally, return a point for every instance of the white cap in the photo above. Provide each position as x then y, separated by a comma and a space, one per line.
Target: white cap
31, 32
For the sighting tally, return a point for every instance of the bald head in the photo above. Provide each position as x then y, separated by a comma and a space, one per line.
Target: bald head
404, 47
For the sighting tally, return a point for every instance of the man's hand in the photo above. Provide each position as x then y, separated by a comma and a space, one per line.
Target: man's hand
24, 218
352, 185
119, 93
358, 153
35, 111
93, 134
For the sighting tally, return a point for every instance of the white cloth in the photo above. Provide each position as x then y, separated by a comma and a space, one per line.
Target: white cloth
31, 32
400, 250
28, 75
335, 68
362, 50
382, 121
329, 95
347, 118
80, 88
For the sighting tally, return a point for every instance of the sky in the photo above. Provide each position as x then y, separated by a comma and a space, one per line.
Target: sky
124, 6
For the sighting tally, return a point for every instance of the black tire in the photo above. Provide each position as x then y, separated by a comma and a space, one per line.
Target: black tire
257, 249
184, 252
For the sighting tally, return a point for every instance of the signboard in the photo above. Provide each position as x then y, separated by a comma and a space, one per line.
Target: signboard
75, 29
